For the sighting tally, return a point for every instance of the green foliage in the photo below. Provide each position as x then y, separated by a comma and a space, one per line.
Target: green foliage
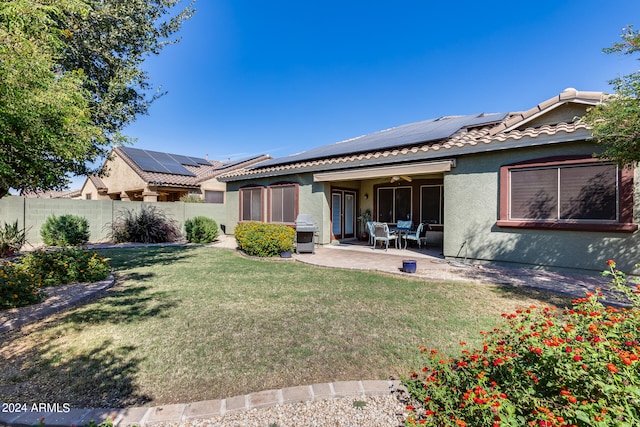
616, 123
12, 239
542, 367
201, 229
147, 225
65, 230
17, 287
68, 265
20, 281
264, 240
192, 198
46, 128
71, 80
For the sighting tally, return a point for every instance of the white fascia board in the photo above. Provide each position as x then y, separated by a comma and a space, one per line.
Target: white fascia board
386, 171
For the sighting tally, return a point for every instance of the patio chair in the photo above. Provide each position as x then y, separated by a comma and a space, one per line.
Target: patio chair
371, 232
405, 224
419, 235
382, 234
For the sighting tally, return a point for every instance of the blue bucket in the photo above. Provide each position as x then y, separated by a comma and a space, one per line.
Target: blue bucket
409, 265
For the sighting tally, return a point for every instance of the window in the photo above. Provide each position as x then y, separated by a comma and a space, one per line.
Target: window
211, 196
394, 204
431, 204
251, 204
283, 203
578, 193
87, 196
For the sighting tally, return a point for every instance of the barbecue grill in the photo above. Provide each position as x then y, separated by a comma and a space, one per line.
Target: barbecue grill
305, 231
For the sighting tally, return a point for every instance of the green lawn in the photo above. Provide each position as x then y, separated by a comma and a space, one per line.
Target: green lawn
186, 324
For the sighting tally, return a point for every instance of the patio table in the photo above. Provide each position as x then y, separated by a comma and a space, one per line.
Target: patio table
401, 231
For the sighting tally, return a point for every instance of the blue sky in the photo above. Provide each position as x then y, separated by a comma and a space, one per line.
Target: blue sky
279, 77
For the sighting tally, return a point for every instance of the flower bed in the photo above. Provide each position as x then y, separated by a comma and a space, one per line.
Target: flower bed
21, 280
542, 367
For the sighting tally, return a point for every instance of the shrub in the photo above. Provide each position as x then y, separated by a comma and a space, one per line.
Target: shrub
65, 230
201, 229
11, 239
542, 367
17, 287
20, 281
192, 198
148, 225
264, 240
69, 265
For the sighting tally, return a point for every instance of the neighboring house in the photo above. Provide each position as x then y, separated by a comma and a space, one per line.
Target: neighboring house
69, 194
151, 176
519, 188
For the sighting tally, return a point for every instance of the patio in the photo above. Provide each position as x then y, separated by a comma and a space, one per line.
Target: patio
431, 265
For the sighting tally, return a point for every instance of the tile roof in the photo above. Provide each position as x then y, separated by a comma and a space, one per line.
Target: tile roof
464, 139
97, 182
200, 173
168, 178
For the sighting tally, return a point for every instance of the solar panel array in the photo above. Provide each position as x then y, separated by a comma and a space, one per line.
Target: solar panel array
236, 162
412, 133
155, 161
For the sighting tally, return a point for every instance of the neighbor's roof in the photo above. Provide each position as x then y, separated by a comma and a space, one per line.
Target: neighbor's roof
177, 169
434, 138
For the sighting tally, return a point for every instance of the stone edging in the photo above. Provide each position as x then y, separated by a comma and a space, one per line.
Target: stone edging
142, 416
58, 299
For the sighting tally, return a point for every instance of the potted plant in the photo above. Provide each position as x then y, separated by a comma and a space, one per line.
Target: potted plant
364, 218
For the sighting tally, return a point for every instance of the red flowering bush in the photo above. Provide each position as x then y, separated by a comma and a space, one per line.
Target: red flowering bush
542, 367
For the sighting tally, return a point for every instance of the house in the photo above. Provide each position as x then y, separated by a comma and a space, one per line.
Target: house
520, 188
67, 194
143, 175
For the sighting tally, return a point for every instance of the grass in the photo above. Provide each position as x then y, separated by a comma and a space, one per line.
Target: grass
186, 324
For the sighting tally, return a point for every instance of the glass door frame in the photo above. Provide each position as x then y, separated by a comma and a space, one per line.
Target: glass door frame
345, 223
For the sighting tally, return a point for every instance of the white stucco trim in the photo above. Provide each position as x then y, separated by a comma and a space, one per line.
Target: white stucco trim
385, 171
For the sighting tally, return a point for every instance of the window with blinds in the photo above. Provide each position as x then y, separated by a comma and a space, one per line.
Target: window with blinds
251, 204
213, 196
283, 203
564, 193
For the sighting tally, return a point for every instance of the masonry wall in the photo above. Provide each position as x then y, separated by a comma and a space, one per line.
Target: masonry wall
32, 213
471, 212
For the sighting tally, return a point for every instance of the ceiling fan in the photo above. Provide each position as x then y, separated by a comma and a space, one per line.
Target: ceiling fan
397, 178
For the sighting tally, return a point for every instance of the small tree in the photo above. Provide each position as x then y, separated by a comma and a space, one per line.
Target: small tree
616, 123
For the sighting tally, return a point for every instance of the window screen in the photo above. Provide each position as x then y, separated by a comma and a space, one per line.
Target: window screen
575, 192
211, 196
251, 199
432, 209
283, 203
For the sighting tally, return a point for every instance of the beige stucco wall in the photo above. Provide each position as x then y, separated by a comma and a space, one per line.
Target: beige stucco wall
120, 177
471, 210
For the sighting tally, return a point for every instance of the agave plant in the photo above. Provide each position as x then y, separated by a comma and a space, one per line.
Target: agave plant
12, 238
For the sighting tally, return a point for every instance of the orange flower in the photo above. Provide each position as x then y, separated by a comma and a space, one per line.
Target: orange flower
612, 368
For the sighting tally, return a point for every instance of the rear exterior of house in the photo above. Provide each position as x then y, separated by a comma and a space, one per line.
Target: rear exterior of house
517, 188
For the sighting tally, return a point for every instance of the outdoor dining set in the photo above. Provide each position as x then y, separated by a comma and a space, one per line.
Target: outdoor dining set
401, 231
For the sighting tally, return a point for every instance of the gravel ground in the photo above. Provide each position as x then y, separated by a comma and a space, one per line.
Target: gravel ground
376, 411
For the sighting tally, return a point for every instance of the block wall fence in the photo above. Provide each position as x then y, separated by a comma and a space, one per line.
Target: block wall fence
32, 213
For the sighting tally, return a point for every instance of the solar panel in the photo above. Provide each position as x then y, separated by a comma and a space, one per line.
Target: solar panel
237, 162
155, 161
184, 160
412, 133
